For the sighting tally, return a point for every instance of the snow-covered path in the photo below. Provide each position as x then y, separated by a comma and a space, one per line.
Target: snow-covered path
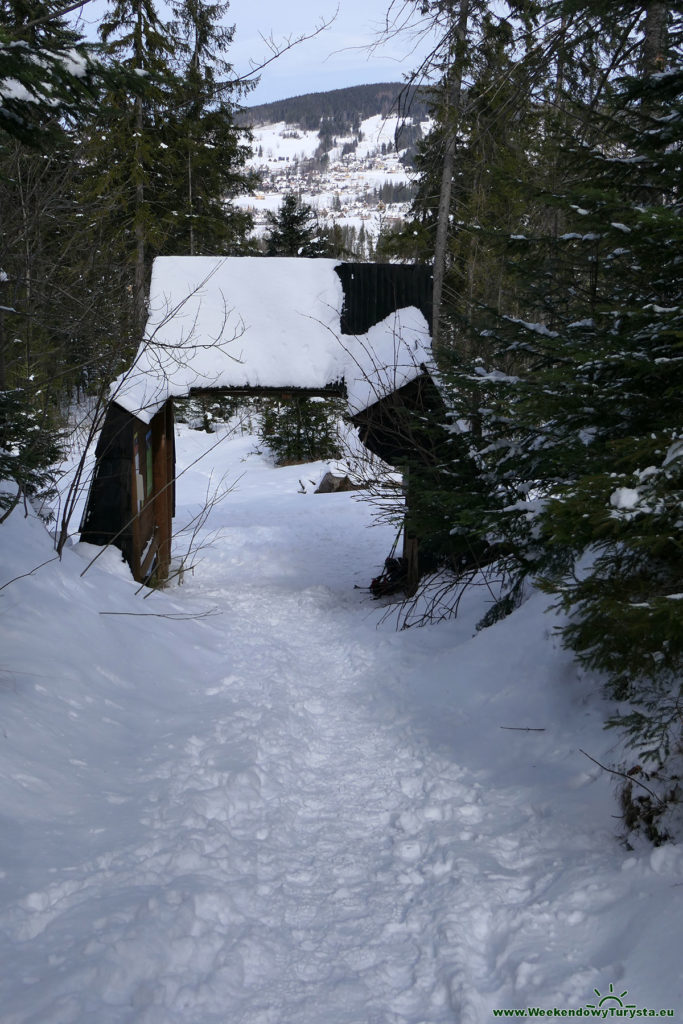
283, 814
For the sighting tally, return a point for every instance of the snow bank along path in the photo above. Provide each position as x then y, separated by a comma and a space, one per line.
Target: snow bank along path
285, 814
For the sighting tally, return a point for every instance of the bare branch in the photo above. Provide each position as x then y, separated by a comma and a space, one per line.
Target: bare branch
279, 47
171, 615
521, 728
25, 574
624, 775
54, 15
13, 504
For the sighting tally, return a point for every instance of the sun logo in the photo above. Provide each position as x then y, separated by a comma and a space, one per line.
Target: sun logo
611, 996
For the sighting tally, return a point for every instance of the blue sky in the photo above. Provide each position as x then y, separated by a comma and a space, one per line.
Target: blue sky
339, 56
346, 53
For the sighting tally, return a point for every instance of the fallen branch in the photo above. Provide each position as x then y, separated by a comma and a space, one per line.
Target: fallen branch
522, 728
625, 775
170, 615
25, 574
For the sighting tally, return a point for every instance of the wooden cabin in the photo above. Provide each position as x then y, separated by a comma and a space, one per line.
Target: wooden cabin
252, 325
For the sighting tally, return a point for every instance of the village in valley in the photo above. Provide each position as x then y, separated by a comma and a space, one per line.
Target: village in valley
362, 182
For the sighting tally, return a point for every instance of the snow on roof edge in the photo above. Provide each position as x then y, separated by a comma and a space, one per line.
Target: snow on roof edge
209, 326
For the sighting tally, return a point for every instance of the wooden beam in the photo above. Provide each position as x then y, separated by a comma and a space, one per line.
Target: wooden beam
135, 485
162, 491
336, 390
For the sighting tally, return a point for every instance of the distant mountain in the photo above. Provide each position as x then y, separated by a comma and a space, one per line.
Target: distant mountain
342, 109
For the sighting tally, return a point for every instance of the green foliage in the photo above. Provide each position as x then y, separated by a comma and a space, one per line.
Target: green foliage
29, 446
124, 147
300, 429
497, 128
109, 156
601, 416
47, 74
50, 84
164, 162
205, 411
293, 230
598, 422
628, 614
205, 153
564, 315
446, 492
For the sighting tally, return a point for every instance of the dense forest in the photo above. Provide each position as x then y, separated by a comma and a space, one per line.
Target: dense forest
344, 108
548, 202
110, 154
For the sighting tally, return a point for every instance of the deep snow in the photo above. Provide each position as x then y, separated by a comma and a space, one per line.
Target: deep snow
210, 327
248, 799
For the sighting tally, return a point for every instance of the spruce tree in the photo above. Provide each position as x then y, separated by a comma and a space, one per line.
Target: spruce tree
302, 429
125, 152
47, 80
293, 230
565, 388
47, 73
496, 134
584, 440
624, 502
205, 150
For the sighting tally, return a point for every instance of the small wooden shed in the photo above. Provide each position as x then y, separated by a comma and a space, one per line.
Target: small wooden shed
251, 326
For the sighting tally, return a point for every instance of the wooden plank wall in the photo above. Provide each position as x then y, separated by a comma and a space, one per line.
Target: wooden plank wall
164, 485
151, 496
372, 291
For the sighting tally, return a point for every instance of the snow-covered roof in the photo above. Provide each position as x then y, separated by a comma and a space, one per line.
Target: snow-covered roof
259, 322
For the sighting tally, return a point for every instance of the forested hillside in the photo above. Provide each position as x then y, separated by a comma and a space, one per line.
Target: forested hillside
344, 107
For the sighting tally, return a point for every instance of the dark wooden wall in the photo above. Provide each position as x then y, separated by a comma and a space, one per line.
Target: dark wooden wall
132, 494
107, 512
372, 291
401, 430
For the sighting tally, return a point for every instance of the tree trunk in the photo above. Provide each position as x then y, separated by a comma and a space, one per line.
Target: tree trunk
189, 195
140, 227
453, 101
655, 41
3, 342
442, 225
140, 234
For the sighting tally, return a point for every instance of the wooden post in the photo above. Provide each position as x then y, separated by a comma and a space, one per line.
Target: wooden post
170, 464
163, 482
410, 545
135, 484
